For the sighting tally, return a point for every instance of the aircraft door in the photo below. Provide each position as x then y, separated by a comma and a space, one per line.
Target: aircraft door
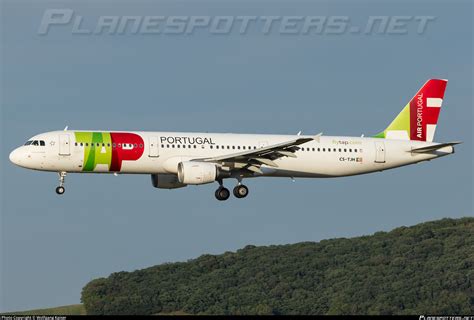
64, 145
153, 147
379, 152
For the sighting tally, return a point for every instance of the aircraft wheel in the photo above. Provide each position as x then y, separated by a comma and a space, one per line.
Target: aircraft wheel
240, 191
60, 190
222, 194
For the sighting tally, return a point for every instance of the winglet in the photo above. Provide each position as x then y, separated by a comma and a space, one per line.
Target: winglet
65, 129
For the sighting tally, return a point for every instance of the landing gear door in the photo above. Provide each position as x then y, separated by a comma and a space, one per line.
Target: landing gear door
64, 145
379, 152
153, 147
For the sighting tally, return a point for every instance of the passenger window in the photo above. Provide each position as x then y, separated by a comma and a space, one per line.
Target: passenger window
233, 147
319, 149
178, 146
75, 143
195, 146
340, 150
345, 150
355, 150
329, 149
313, 149
350, 150
324, 149
211, 147
238, 147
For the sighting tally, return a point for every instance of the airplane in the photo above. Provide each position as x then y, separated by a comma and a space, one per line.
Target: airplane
177, 159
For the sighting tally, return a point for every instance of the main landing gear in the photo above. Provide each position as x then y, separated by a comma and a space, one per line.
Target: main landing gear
60, 189
239, 191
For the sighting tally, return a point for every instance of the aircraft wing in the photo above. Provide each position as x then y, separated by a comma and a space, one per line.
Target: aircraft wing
252, 159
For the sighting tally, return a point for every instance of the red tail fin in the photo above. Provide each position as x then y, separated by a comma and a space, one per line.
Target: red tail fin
424, 110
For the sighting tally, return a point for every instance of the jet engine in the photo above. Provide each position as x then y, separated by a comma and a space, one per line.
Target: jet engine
191, 172
166, 181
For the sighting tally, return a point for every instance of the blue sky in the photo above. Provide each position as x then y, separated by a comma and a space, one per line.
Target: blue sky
349, 84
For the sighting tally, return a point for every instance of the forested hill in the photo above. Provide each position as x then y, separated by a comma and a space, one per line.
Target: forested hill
427, 268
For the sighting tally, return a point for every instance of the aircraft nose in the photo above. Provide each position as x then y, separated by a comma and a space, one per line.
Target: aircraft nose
15, 156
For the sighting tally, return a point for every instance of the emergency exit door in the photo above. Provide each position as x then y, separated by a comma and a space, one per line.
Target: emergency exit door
153, 147
64, 145
380, 152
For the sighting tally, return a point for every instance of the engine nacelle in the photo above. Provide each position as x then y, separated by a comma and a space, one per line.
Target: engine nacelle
190, 172
166, 181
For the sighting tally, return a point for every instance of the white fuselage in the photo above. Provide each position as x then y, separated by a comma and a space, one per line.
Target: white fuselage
161, 152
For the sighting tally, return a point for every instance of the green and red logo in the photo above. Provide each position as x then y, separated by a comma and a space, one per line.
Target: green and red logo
418, 119
109, 149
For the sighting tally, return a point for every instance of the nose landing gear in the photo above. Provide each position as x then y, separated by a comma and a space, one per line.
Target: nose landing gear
60, 189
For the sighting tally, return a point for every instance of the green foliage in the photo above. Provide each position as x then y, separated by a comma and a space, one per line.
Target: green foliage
427, 268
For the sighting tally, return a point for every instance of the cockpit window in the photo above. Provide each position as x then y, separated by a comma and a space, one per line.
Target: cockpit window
41, 143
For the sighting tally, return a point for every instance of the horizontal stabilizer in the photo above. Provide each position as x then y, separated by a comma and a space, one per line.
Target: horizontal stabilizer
435, 147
